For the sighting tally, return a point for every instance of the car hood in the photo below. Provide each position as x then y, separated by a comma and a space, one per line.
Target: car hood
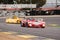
36, 23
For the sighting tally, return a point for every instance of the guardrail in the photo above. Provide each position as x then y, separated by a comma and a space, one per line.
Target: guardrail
40, 16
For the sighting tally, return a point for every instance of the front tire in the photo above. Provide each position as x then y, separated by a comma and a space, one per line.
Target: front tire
18, 21
21, 24
43, 27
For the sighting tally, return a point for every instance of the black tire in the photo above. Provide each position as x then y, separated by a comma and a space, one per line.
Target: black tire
21, 24
18, 21
26, 25
42, 27
8, 22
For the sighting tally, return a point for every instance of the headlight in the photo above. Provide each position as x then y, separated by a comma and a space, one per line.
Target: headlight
43, 25
30, 24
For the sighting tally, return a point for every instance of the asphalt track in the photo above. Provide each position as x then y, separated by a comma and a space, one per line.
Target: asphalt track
52, 30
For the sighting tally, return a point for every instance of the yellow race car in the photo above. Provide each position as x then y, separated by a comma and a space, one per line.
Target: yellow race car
14, 19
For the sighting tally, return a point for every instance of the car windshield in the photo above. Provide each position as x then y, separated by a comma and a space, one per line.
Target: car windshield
38, 19
30, 19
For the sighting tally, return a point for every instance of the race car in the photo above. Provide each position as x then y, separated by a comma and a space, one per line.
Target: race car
14, 19
39, 23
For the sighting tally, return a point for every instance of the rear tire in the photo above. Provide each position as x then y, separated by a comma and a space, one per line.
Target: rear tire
26, 25
42, 27
22, 24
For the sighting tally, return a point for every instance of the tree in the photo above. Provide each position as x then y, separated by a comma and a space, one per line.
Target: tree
6, 1
38, 2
